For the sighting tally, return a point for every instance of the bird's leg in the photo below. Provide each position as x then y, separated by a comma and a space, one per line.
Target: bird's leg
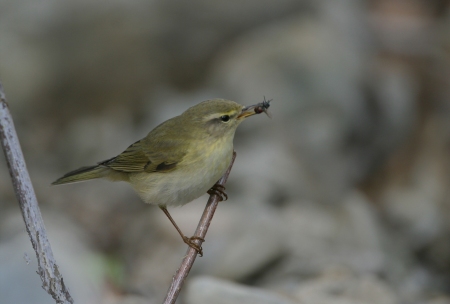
218, 190
187, 240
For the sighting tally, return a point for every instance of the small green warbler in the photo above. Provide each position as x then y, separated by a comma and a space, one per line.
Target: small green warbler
179, 160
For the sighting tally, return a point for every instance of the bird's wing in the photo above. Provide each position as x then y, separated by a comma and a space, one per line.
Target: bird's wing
160, 151
167, 145
139, 157
133, 159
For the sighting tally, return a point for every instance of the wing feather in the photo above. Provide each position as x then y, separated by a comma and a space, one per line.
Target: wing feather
154, 153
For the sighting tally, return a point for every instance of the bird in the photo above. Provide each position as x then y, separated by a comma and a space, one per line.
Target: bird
179, 160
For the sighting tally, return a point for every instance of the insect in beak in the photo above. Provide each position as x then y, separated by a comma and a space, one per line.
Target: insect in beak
256, 109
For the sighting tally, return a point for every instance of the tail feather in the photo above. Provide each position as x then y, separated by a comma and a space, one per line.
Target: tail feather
82, 174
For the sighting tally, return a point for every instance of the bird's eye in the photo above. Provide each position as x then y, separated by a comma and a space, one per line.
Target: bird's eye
225, 118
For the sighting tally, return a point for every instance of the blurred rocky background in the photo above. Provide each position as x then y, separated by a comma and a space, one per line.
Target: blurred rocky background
342, 197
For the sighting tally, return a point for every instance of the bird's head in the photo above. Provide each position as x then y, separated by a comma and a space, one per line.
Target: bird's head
217, 117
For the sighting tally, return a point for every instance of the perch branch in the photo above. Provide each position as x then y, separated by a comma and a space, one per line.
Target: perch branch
52, 280
191, 254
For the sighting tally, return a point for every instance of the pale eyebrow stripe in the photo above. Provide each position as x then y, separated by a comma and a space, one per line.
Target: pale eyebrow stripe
213, 116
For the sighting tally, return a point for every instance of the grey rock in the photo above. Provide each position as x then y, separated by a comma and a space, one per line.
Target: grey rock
249, 239
203, 290
321, 237
267, 169
127, 299
416, 214
341, 287
324, 101
418, 207
442, 299
242, 239
80, 267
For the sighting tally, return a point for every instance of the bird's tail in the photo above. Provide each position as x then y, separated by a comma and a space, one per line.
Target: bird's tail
83, 174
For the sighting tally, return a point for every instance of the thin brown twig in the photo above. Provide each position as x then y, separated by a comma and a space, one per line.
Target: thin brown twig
191, 254
52, 280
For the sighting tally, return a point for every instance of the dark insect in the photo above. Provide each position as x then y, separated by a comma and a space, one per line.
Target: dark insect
263, 106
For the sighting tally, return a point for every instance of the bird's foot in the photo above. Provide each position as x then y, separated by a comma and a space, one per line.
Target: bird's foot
193, 245
219, 190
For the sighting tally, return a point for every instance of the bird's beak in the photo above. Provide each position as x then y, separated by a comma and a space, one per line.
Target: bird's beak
248, 111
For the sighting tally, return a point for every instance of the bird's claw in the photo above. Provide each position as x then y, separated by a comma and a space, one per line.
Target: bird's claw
218, 190
190, 242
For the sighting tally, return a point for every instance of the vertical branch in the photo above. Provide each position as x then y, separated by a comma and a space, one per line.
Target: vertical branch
52, 280
191, 254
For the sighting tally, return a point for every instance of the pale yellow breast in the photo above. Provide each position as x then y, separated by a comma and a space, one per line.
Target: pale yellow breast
195, 175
